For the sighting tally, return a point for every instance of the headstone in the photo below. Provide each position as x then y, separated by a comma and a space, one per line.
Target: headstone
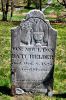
33, 53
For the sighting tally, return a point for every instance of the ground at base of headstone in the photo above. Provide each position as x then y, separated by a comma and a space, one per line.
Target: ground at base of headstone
15, 92
31, 96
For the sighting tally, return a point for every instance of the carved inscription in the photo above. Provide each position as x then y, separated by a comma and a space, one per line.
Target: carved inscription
32, 59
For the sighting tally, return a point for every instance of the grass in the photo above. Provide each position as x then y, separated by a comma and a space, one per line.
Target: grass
60, 62
5, 61
5, 38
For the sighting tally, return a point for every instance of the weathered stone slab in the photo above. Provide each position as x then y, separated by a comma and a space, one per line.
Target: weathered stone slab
33, 54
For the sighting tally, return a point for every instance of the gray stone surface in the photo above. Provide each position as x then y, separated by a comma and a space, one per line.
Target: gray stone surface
33, 53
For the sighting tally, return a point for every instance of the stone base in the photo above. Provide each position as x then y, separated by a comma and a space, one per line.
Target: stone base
19, 91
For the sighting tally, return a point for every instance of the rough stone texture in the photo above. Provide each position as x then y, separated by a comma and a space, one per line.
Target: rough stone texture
33, 54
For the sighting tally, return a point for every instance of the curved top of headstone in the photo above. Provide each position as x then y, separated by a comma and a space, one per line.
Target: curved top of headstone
35, 13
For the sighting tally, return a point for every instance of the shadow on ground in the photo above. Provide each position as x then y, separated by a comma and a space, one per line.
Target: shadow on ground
5, 90
61, 95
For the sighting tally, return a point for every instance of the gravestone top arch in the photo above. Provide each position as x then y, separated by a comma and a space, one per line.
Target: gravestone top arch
33, 53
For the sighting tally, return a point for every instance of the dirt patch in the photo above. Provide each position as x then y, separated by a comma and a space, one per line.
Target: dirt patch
52, 15
22, 97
